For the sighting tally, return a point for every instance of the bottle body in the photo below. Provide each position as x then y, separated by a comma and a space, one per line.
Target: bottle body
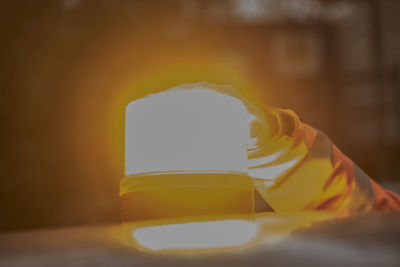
159, 196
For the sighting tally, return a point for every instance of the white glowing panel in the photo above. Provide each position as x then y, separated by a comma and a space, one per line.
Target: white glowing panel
196, 235
196, 129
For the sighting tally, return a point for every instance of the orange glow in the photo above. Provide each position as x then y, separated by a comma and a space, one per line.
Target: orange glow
165, 75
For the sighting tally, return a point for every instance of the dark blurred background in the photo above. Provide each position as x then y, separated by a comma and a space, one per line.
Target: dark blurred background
69, 67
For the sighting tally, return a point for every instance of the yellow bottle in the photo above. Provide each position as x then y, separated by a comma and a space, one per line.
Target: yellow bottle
186, 156
177, 195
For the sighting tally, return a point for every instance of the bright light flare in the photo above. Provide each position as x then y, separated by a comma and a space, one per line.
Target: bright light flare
195, 129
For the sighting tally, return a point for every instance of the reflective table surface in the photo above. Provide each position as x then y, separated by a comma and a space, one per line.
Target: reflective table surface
269, 239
